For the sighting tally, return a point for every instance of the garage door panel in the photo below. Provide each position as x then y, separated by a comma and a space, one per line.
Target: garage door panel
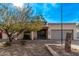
56, 34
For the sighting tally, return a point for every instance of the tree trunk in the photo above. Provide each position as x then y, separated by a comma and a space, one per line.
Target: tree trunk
9, 42
10, 39
68, 42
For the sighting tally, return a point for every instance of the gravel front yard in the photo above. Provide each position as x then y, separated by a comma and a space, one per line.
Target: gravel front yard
32, 48
27, 50
60, 50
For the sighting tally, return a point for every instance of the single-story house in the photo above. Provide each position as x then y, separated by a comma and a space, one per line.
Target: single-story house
54, 30
50, 31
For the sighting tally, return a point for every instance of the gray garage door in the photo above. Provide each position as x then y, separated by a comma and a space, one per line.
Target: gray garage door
56, 34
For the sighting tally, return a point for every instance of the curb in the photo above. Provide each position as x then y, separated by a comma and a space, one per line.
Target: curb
51, 50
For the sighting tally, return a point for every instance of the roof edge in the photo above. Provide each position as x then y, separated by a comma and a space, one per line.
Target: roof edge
60, 23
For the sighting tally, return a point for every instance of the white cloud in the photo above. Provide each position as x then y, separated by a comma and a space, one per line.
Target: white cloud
17, 4
29, 1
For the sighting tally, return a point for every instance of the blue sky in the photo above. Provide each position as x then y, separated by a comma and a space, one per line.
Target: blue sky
70, 12
52, 11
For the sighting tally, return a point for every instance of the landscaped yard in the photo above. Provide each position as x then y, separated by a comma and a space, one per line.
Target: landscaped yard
32, 48
35, 48
60, 50
27, 50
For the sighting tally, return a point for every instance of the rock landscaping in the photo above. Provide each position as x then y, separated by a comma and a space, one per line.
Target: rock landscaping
26, 50
61, 52
37, 48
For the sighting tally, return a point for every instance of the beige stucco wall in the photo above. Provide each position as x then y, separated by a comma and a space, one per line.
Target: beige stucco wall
21, 36
4, 36
64, 27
